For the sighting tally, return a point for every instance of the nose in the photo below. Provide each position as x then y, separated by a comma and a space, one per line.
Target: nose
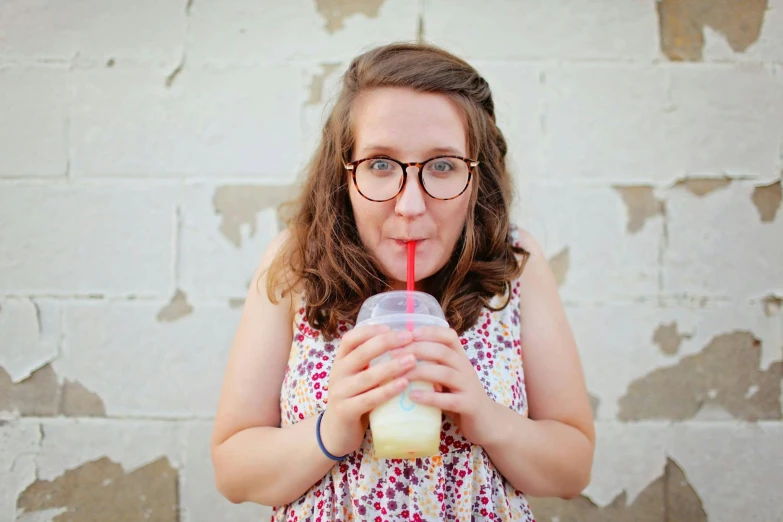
411, 201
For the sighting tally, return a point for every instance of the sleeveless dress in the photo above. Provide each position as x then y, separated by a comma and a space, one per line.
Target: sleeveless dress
460, 484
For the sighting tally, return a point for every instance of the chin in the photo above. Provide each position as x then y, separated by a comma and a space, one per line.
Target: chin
400, 273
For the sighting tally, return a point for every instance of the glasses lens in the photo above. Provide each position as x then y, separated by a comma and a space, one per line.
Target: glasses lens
445, 178
378, 178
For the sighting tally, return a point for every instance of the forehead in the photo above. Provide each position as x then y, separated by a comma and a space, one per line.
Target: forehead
407, 123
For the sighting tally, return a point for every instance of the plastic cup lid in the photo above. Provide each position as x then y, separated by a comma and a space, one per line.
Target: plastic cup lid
391, 307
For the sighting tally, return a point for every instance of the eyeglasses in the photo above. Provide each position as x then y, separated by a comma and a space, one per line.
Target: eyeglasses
381, 178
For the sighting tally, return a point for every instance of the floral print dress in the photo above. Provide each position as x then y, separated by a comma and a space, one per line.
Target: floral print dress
460, 484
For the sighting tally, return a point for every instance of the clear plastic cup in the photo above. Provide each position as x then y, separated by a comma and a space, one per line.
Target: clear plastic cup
400, 427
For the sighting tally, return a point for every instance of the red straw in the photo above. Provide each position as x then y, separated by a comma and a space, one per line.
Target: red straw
411, 280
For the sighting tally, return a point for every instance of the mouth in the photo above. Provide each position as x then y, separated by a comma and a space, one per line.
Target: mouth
405, 241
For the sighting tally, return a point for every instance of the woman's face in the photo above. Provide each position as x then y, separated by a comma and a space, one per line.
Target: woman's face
409, 126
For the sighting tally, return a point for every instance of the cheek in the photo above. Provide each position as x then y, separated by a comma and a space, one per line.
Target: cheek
366, 217
452, 220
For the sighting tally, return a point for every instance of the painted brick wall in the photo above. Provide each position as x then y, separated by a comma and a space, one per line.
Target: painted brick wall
144, 147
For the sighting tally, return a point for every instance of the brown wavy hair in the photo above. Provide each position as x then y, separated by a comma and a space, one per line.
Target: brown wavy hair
323, 257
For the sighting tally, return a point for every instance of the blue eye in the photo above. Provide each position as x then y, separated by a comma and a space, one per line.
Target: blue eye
440, 166
381, 165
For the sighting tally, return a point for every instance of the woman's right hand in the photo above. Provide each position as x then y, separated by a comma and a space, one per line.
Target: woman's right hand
355, 388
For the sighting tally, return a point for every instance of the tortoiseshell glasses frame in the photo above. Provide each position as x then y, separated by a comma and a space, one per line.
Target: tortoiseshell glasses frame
353, 166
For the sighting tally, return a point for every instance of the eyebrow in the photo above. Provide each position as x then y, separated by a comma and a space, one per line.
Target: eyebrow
391, 151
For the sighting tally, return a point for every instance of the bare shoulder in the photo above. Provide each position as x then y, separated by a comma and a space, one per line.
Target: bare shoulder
270, 266
525, 239
273, 249
534, 262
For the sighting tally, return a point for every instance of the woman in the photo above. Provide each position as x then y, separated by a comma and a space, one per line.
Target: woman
296, 360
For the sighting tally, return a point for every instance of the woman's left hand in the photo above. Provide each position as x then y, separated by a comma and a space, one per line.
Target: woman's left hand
461, 393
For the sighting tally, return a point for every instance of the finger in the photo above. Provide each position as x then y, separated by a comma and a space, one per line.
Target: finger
434, 352
377, 375
438, 334
356, 337
370, 400
362, 355
436, 374
444, 401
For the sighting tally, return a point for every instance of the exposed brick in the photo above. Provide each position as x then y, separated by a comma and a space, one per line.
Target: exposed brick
176, 309
752, 453
38, 395
629, 351
86, 239
670, 493
239, 32
641, 204
683, 25
92, 32
721, 30
112, 347
34, 112
557, 29
218, 123
69, 443
102, 485
629, 457
767, 200
724, 377
668, 338
92, 467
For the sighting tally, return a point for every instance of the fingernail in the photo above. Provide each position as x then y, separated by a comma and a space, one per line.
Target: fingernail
400, 383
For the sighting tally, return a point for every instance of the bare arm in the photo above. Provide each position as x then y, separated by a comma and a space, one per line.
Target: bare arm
256, 460
549, 454
248, 447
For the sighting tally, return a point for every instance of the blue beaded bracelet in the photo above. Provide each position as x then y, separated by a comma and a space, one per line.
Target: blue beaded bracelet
320, 442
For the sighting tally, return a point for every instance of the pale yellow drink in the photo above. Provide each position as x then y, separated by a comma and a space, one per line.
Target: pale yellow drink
400, 427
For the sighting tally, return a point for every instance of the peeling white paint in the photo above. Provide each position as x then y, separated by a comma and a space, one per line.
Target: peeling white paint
69, 443
19, 445
751, 451
626, 352
29, 335
46, 515
180, 363
712, 412
628, 457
